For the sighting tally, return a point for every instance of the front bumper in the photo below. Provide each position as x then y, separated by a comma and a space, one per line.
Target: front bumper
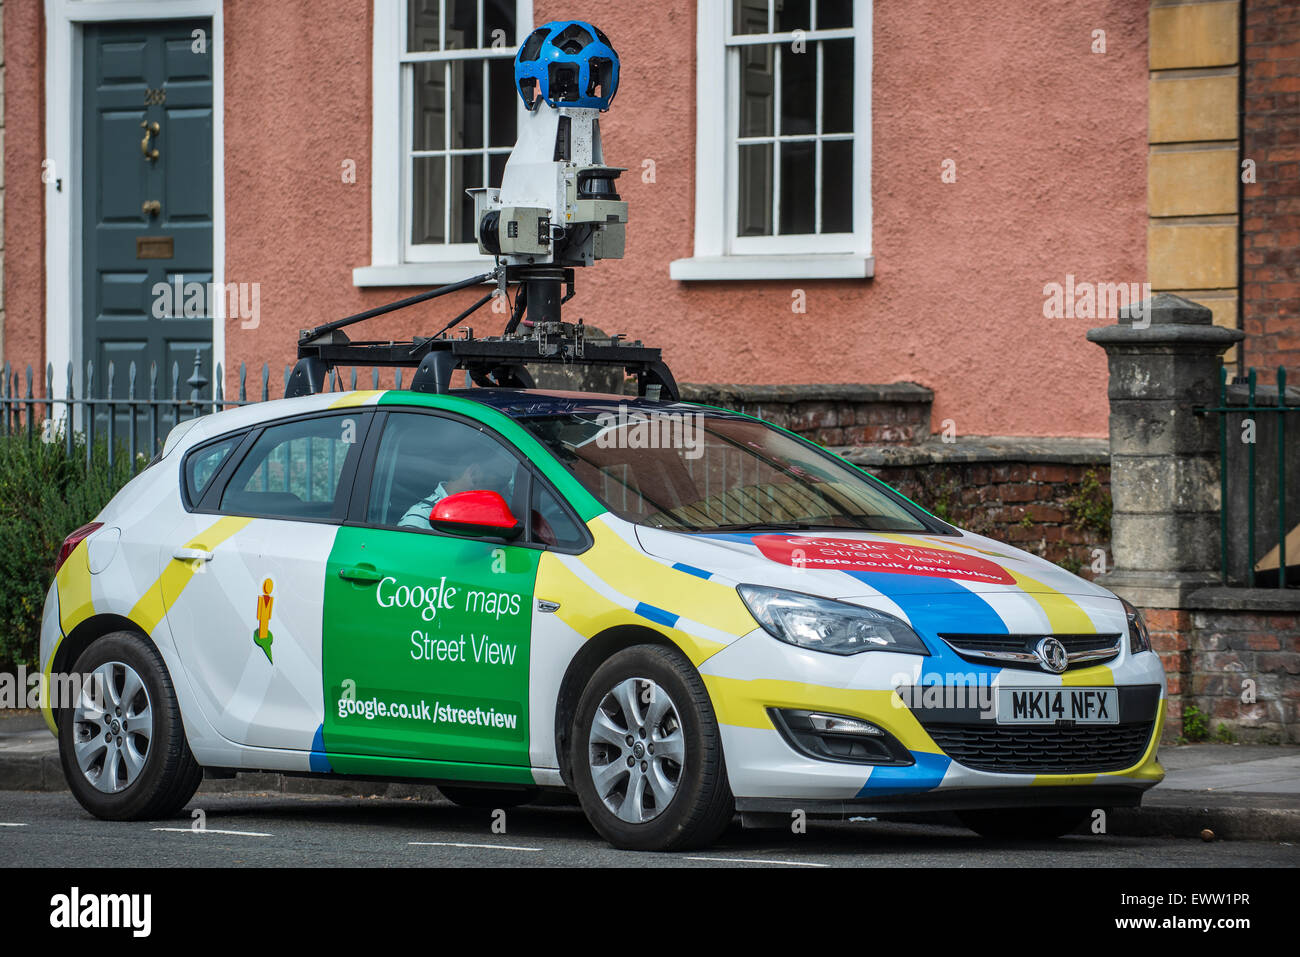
949, 799
1001, 766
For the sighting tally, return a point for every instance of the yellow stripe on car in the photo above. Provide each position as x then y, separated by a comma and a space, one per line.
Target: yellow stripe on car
352, 399
743, 703
632, 572
151, 607
75, 604
589, 613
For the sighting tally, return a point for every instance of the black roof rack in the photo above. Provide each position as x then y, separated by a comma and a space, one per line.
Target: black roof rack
494, 361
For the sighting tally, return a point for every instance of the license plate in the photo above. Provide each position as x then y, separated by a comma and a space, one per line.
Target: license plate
1049, 705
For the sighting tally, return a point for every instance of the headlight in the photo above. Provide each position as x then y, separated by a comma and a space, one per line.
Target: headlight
826, 625
1139, 639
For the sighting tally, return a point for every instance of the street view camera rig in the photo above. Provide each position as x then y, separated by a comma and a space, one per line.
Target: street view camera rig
557, 209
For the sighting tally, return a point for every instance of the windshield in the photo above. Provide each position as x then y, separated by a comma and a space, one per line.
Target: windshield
696, 471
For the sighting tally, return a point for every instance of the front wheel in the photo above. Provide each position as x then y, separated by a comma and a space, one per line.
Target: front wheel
646, 754
1028, 824
121, 742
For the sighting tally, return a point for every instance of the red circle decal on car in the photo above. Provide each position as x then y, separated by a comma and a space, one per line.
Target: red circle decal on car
871, 556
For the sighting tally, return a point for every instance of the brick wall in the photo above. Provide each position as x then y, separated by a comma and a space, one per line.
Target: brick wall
1047, 496
832, 415
1270, 230
1238, 666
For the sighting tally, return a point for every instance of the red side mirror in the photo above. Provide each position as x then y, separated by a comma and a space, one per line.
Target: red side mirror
477, 513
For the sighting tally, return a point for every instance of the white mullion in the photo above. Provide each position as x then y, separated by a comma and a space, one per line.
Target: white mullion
731, 160
487, 113
406, 219
459, 151
817, 150
771, 15
778, 54
793, 138
446, 144
430, 56
442, 24
756, 39
478, 12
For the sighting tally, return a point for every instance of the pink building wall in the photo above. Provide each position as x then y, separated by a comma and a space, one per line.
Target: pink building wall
1049, 141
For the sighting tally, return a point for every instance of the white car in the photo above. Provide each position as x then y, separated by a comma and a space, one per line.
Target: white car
677, 612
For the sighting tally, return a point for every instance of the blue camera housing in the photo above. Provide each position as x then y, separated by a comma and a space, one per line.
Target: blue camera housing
567, 63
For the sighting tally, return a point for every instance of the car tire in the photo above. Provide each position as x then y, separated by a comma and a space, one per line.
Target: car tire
1026, 824
117, 770
490, 798
685, 784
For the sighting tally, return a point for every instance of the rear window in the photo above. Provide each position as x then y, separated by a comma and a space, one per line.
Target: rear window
293, 470
202, 465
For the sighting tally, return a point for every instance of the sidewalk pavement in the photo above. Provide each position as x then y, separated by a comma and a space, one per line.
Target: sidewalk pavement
1237, 791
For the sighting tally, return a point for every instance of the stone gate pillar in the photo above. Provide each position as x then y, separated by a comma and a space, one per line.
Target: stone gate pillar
1164, 357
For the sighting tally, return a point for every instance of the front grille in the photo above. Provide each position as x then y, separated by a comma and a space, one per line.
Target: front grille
1017, 651
1043, 750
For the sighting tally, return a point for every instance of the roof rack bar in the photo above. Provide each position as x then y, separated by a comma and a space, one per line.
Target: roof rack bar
308, 335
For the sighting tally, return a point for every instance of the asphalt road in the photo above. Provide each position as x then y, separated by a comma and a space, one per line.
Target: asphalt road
50, 829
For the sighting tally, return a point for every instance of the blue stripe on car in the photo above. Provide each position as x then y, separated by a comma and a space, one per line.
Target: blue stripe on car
666, 618
692, 570
925, 775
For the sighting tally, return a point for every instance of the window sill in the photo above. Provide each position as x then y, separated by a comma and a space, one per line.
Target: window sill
734, 268
420, 274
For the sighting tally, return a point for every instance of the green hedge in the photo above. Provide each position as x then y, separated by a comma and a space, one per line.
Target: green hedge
44, 495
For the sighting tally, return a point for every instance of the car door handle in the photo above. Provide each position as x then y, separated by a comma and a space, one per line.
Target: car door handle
192, 555
362, 574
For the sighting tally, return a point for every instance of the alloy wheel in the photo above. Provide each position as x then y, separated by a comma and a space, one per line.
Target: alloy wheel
636, 750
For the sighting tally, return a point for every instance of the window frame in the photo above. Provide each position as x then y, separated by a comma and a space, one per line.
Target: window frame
358, 514
394, 261
224, 471
210, 502
719, 252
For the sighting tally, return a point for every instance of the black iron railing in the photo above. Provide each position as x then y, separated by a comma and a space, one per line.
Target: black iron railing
131, 417
1255, 408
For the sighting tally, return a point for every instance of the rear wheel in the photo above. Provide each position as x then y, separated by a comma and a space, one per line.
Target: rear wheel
492, 798
647, 755
1033, 824
121, 742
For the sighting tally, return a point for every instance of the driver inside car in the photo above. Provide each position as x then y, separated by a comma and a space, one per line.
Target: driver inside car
495, 474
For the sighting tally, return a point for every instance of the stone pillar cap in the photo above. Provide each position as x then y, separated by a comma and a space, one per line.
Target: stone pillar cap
1166, 309
1165, 318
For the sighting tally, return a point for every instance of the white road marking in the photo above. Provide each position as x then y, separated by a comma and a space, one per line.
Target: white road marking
493, 847
210, 830
4, 824
755, 860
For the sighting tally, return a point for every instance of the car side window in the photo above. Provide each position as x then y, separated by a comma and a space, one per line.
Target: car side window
423, 458
202, 465
293, 469
551, 523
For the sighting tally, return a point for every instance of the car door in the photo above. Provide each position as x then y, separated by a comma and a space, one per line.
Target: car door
245, 587
427, 635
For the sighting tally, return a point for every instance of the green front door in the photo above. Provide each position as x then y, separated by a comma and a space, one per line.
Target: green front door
147, 201
426, 651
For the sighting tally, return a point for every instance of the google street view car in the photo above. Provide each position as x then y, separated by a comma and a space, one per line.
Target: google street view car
677, 612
